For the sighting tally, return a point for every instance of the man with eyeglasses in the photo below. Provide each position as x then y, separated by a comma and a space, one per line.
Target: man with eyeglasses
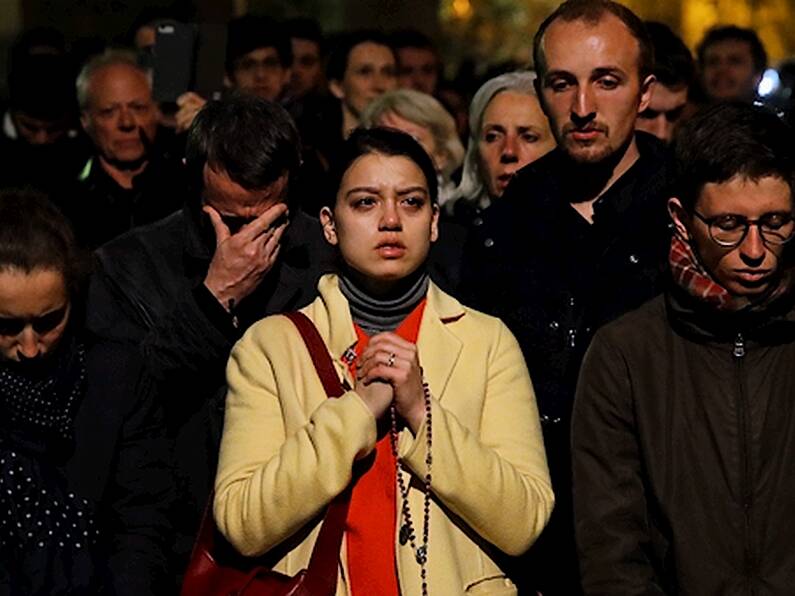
684, 419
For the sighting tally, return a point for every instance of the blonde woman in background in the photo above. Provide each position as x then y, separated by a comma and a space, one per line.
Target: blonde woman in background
424, 118
508, 130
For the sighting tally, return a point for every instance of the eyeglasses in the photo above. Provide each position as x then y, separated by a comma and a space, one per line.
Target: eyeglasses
11, 326
236, 222
730, 230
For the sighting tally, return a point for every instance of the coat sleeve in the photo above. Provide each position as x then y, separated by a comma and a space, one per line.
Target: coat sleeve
610, 506
270, 485
139, 498
496, 480
185, 346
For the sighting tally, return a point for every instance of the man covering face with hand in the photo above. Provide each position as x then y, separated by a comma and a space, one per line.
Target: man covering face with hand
185, 288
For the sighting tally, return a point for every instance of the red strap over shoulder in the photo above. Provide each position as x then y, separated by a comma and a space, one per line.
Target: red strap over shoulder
318, 352
322, 570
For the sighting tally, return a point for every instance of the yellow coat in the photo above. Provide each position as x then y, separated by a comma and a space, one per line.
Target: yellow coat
287, 450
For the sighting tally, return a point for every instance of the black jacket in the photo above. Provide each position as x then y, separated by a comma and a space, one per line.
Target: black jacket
120, 462
101, 210
683, 450
149, 291
553, 278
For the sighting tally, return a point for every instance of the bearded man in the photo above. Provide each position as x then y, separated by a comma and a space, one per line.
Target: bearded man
580, 235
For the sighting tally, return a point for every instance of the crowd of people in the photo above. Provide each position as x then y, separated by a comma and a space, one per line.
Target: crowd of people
558, 303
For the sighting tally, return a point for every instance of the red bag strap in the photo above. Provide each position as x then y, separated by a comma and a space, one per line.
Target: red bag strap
322, 571
319, 353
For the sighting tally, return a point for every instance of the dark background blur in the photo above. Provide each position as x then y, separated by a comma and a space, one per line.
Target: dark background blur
483, 32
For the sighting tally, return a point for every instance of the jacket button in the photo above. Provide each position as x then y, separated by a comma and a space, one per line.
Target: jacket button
478, 221
554, 325
634, 259
488, 242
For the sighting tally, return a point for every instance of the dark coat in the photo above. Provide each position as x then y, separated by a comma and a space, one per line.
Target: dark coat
120, 461
554, 279
149, 291
101, 210
683, 450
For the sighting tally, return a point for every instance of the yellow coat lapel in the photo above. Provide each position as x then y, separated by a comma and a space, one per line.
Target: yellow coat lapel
439, 347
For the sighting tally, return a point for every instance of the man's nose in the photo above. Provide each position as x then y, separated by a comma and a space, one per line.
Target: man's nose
752, 248
583, 105
662, 128
382, 82
126, 119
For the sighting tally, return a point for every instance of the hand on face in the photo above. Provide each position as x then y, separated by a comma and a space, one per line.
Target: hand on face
243, 259
189, 105
389, 368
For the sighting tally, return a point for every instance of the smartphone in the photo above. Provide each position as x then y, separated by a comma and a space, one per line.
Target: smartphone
173, 60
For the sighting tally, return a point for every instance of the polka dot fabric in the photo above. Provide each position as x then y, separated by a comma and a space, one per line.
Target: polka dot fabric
47, 533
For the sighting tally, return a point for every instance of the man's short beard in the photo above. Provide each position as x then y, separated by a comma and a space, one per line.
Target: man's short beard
590, 158
608, 157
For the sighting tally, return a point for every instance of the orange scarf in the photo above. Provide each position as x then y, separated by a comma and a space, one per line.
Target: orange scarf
370, 528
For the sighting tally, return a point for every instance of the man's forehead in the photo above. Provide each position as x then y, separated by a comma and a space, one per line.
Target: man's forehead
728, 46
260, 53
217, 182
581, 42
119, 82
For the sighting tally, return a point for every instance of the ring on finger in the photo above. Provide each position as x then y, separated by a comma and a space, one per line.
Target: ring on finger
391, 361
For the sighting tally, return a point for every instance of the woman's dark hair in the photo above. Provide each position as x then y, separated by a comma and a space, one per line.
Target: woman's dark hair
34, 234
384, 141
728, 140
253, 140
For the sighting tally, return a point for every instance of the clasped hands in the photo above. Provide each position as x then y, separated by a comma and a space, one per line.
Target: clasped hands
389, 370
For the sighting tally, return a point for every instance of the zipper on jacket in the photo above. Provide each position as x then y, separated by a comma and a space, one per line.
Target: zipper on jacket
739, 346
746, 485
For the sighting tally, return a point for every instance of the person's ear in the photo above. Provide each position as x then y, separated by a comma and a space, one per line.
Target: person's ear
336, 89
646, 91
329, 228
435, 223
680, 218
85, 121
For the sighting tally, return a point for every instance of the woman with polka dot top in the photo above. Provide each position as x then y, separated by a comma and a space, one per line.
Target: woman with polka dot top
84, 475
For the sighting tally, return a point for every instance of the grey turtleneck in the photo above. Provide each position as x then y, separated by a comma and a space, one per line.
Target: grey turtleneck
379, 314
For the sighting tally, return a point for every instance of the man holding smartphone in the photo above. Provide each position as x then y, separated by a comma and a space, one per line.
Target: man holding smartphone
186, 287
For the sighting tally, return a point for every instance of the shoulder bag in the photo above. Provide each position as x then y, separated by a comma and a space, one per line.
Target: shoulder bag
216, 569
